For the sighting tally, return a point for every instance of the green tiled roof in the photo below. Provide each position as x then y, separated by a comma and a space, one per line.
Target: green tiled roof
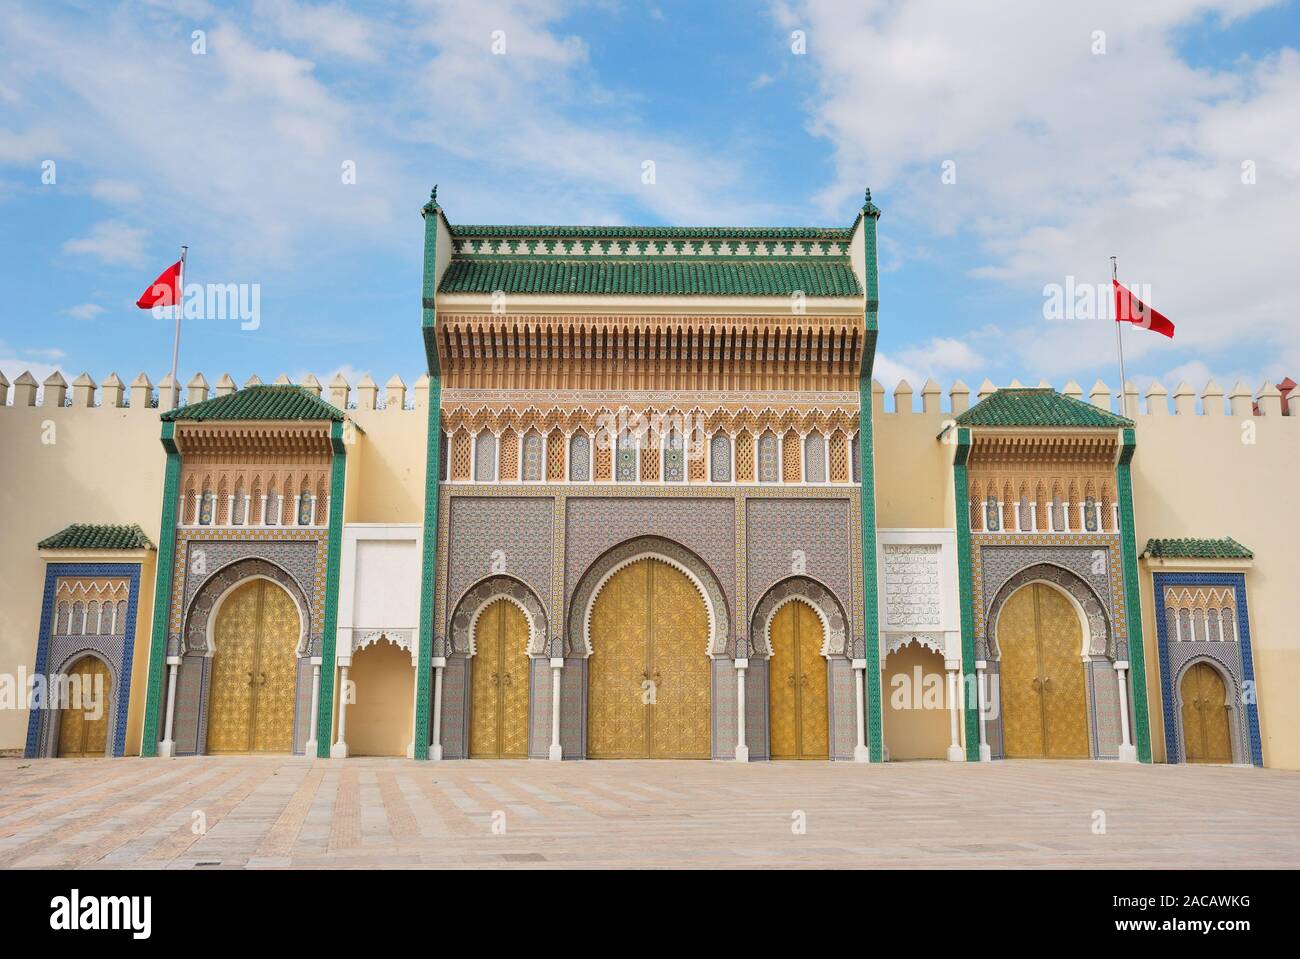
1038, 407
670, 277
260, 403
1226, 548
659, 232
97, 536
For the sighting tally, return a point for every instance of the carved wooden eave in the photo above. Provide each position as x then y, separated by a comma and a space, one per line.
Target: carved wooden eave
1025, 447
254, 439
602, 351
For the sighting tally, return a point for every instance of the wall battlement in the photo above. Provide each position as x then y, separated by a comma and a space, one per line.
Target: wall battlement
55, 392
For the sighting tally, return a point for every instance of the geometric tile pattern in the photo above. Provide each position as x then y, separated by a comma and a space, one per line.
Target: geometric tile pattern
54, 653
1234, 659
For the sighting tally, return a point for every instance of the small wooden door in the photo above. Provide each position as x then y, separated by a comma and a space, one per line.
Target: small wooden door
796, 676
1205, 715
83, 722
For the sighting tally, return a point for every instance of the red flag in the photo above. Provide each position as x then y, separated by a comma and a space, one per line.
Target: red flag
1129, 309
164, 291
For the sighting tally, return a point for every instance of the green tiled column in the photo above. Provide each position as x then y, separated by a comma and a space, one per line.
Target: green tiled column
866, 457
329, 626
432, 456
1133, 598
162, 597
965, 594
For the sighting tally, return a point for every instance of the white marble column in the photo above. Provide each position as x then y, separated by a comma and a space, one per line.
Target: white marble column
1127, 751
340, 748
435, 741
981, 694
556, 752
167, 748
312, 744
954, 710
861, 754
742, 746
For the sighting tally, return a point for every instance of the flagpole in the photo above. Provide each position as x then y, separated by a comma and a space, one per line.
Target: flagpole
180, 300
1119, 344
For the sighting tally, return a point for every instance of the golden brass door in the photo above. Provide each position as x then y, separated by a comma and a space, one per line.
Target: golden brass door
796, 682
254, 671
83, 722
499, 684
1205, 715
1043, 703
648, 675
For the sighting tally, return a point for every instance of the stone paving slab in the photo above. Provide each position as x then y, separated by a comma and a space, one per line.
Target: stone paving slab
291, 812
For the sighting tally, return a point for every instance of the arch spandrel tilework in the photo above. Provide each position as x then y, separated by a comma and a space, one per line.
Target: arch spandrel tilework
594, 576
1101, 639
821, 599
215, 586
479, 596
495, 535
811, 537
1094, 558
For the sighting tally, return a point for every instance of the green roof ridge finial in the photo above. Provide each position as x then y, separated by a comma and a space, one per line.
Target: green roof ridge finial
869, 208
432, 205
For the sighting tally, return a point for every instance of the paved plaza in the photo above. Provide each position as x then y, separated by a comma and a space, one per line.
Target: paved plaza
266, 812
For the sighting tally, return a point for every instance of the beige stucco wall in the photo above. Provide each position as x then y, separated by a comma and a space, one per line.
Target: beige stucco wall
1194, 476
61, 465
388, 460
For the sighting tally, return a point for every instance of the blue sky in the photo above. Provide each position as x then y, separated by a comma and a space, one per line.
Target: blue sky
1074, 130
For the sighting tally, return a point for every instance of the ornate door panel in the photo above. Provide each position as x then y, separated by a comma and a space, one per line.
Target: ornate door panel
648, 676
797, 697
814, 721
679, 666
499, 684
254, 671
1065, 704
1205, 716
617, 725
276, 686
783, 684
1044, 707
1019, 687
230, 701
81, 732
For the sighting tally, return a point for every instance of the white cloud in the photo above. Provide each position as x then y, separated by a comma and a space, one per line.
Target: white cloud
84, 311
1063, 157
115, 191
888, 372
328, 29
111, 241
13, 366
942, 354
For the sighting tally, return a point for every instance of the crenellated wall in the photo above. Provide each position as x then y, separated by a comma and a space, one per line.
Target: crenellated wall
1207, 465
